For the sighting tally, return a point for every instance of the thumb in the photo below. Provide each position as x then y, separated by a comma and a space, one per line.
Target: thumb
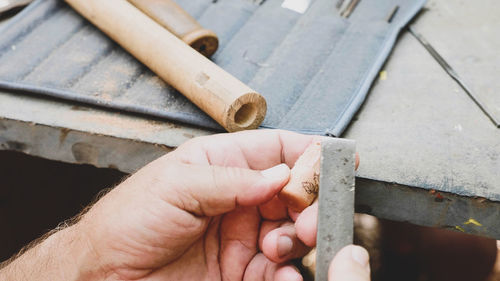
213, 190
350, 264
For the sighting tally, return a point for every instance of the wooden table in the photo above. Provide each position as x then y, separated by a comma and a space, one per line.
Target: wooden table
428, 154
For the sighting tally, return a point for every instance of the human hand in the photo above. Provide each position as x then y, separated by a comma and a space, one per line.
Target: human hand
207, 211
350, 264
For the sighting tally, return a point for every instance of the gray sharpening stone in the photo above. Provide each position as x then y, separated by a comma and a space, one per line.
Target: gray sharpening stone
336, 202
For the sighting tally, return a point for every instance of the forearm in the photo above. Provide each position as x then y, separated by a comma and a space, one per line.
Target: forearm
64, 255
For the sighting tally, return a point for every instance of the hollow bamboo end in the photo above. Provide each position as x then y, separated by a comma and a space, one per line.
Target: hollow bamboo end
246, 113
202, 40
302, 188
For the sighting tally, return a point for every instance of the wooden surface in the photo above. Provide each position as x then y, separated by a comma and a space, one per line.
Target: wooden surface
417, 126
226, 99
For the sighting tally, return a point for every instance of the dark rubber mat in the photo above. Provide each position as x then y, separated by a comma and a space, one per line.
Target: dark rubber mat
314, 69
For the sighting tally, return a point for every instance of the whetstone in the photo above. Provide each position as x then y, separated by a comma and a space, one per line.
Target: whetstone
336, 201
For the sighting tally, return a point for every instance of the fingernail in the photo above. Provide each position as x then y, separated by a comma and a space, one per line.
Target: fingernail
285, 246
277, 172
360, 255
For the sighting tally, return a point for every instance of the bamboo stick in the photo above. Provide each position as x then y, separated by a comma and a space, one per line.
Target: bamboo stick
223, 97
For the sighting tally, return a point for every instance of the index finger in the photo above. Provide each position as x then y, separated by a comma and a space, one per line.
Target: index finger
257, 149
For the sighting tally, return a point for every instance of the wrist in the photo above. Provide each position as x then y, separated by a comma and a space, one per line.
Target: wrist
81, 260
72, 254
69, 254
64, 255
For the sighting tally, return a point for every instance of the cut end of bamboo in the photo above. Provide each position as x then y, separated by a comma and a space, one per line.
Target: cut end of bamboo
302, 188
202, 40
245, 113
294, 201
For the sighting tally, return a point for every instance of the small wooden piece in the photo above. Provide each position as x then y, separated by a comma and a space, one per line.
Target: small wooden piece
226, 99
303, 186
176, 20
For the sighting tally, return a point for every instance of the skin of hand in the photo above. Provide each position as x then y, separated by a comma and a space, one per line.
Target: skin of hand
350, 264
206, 211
